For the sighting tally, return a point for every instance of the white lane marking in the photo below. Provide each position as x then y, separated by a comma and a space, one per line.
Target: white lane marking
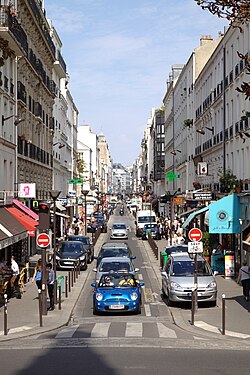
67, 332
140, 277
147, 310
100, 330
214, 329
133, 330
16, 330
165, 331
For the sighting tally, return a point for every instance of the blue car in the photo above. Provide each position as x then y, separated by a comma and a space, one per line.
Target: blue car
117, 292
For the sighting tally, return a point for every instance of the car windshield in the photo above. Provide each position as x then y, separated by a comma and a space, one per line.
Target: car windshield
176, 249
107, 253
70, 247
118, 226
186, 268
118, 281
115, 266
84, 240
146, 219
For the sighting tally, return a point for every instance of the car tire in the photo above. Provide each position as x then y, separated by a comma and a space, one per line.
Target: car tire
95, 311
168, 301
138, 311
85, 267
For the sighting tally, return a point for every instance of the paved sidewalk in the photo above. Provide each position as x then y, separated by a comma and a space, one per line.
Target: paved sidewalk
209, 320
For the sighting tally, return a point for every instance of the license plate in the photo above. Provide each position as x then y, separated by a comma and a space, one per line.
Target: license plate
116, 307
68, 263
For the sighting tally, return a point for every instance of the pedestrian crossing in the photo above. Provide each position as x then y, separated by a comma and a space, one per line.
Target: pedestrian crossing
118, 329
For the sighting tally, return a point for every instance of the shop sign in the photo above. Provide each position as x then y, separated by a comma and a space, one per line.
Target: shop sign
27, 190
203, 196
178, 200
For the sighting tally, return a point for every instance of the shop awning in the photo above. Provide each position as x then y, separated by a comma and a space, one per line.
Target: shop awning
193, 215
186, 213
25, 209
59, 214
224, 215
29, 223
11, 230
59, 206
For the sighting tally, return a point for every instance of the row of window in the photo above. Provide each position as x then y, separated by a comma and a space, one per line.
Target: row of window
33, 152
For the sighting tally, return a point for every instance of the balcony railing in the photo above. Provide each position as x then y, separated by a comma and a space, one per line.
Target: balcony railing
61, 61
40, 20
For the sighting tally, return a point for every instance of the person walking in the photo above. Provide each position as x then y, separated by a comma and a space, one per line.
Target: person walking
50, 284
37, 276
244, 278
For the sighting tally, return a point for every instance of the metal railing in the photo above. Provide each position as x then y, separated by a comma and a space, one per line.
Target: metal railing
153, 246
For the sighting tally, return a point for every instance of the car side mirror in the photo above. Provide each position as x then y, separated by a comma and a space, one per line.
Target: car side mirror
93, 284
137, 269
133, 257
141, 283
94, 270
215, 273
164, 273
95, 257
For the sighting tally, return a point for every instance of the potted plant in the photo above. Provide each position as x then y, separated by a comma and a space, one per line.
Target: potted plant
207, 246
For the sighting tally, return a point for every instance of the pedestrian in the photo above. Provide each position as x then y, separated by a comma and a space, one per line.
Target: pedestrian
37, 276
15, 271
244, 279
50, 284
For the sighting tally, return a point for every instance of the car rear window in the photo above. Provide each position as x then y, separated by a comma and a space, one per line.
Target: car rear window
115, 266
118, 226
186, 268
84, 240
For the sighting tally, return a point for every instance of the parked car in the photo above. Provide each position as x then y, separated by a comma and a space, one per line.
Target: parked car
176, 249
114, 264
87, 244
100, 222
117, 292
70, 253
119, 230
178, 279
114, 249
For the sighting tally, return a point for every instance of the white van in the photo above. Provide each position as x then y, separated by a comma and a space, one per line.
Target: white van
144, 217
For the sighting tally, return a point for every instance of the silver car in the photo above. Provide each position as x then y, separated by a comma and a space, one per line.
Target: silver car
178, 279
114, 264
119, 230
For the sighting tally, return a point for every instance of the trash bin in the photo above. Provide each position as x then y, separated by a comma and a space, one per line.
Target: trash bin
165, 257
60, 282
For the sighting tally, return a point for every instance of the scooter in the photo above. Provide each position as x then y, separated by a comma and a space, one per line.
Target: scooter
121, 212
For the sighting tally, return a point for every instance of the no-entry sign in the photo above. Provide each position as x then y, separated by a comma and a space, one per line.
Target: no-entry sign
195, 234
43, 240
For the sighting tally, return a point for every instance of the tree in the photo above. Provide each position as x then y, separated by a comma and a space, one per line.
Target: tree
229, 182
237, 12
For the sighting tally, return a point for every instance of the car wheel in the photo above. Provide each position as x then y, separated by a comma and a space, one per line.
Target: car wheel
95, 311
163, 292
85, 266
138, 311
169, 302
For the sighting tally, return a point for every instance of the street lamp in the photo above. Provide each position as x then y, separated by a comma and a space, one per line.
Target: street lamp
54, 195
85, 193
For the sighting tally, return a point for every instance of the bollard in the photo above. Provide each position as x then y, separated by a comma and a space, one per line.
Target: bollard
69, 282
55, 294
77, 271
40, 307
193, 307
223, 330
72, 278
74, 273
60, 298
66, 286
5, 323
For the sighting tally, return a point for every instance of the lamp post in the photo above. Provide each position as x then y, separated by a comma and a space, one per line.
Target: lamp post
54, 195
85, 193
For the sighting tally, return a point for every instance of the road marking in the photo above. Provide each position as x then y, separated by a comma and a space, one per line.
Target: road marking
67, 332
133, 330
147, 310
148, 295
214, 329
140, 277
165, 331
100, 330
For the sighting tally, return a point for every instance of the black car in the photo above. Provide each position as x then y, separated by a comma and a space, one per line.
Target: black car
101, 222
87, 244
152, 229
114, 249
70, 253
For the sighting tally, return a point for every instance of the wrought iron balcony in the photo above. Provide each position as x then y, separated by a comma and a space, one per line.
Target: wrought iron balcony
40, 17
12, 32
60, 65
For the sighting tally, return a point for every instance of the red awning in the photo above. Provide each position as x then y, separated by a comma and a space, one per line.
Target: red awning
25, 209
29, 223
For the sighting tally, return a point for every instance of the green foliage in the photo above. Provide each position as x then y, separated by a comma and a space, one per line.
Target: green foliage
229, 181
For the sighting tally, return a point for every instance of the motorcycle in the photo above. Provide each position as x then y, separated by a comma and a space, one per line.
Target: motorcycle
121, 212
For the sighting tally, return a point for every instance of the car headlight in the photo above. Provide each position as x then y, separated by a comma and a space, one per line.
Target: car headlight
212, 285
57, 257
134, 296
82, 257
99, 296
174, 285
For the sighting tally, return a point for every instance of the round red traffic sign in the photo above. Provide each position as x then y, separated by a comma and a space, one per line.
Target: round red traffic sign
195, 234
43, 240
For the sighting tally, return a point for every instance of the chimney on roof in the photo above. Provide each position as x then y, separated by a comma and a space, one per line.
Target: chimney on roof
205, 39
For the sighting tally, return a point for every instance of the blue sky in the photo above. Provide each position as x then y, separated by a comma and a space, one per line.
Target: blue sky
119, 54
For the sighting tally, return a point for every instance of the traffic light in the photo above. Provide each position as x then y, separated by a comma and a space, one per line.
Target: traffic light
44, 216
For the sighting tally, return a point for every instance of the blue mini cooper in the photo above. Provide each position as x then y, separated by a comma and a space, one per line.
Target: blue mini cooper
117, 292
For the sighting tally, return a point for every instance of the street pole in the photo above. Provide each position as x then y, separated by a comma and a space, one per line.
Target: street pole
85, 193
54, 195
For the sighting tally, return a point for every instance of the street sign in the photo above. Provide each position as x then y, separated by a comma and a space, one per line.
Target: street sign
43, 240
195, 234
195, 247
75, 181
